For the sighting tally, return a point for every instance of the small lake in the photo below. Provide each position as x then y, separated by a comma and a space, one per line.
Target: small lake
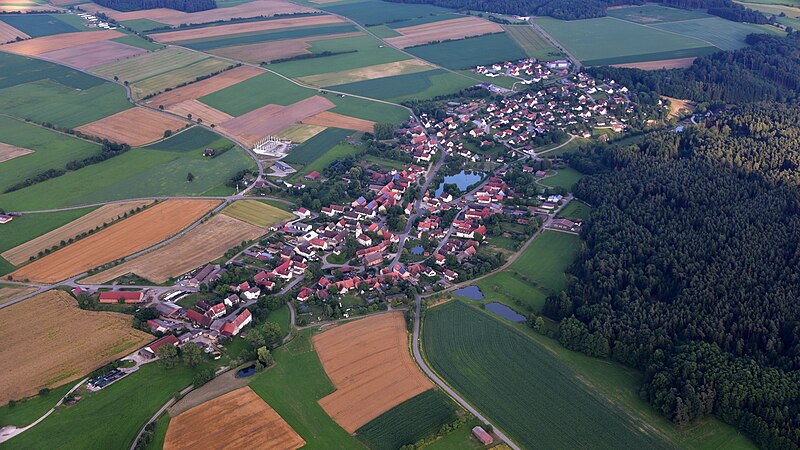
463, 180
470, 292
248, 371
505, 312
417, 250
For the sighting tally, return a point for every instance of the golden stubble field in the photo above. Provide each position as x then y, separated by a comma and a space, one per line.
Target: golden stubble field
369, 363
236, 420
49, 341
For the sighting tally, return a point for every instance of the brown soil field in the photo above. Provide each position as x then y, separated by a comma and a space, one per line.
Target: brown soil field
227, 382
93, 54
205, 243
49, 341
224, 30
369, 363
270, 119
9, 33
9, 152
269, 51
199, 110
237, 420
331, 119
134, 126
678, 107
680, 63
173, 17
368, 73
60, 41
208, 86
132, 235
105, 214
11, 292
446, 29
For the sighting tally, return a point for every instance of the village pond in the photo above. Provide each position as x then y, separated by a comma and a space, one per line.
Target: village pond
505, 312
470, 292
463, 180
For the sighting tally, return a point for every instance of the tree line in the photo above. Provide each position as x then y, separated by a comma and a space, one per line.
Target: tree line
180, 5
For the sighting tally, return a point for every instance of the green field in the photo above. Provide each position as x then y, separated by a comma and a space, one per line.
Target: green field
608, 40
363, 51
162, 424
27, 411
539, 402
507, 288
546, 259
140, 172
565, 178
338, 152
51, 150
29, 226
368, 110
136, 41
421, 85
372, 12
791, 16
576, 209
265, 36
38, 25
458, 439
293, 386
256, 92
408, 422
142, 25
317, 146
256, 213
719, 32
471, 52
431, 18
531, 41
18, 70
121, 408
649, 14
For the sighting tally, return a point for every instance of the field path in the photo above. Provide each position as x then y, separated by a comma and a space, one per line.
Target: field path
10, 433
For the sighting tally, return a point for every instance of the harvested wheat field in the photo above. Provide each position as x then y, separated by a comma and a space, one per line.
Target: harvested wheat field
369, 363
9, 152
132, 235
368, 73
225, 30
270, 119
199, 110
105, 214
135, 126
270, 51
300, 132
446, 29
46, 44
332, 119
9, 292
93, 54
236, 420
9, 33
208, 86
205, 243
257, 213
65, 344
680, 63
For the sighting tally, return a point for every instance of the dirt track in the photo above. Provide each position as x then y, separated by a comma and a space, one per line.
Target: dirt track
137, 233
135, 126
369, 363
446, 29
65, 343
236, 420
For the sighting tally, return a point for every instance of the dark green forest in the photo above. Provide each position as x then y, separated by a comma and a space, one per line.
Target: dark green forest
180, 5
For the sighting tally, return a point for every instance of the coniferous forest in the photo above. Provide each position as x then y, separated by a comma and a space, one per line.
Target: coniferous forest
180, 5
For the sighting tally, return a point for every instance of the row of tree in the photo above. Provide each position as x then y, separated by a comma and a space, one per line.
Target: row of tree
180, 5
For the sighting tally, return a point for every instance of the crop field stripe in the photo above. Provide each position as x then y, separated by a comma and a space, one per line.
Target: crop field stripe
716, 31
659, 56
256, 213
539, 402
317, 146
527, 38
252, 38
470, 52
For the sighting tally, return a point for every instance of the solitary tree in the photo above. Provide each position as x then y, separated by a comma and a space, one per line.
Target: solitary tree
190, 177
265, 357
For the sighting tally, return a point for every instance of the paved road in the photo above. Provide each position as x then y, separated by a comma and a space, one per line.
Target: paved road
432, 375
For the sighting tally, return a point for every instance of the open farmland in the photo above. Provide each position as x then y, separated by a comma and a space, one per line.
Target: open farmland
531, 41
650, 14
257, 213
263, 52
546, 259
10, 292
372, 12
300, 132
238, 419
608, 40
420, 85
314, 148
30, 226
59, 42
9, 152
93, 54
197, 111
255, 92
721, 33
9, 33
207, 242
134, 234
410, 421
105, 214
247, 27
367, 73
268, 36
335, 120
470, 52
369, 363
67, 343
208, 86
445, 30
135, 126
270, 119
539, 403
38, 25
680, 63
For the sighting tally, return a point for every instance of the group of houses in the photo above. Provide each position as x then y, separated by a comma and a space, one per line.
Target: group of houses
527, 70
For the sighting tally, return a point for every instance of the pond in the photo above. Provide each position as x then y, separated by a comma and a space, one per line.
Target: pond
246, 372
470, 292
463, 180
505, 312
417, 250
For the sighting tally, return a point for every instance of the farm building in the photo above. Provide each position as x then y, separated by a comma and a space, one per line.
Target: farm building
233, 328
5, 218
482, 435
121, 297
150, 350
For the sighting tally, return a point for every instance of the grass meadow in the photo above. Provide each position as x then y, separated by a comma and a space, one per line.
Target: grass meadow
650, 14
372, 12
38, 25
317, 146
253, 93
546, 259
27, 411
470, 52
576, 209
256, 213
565, 178
721, 33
